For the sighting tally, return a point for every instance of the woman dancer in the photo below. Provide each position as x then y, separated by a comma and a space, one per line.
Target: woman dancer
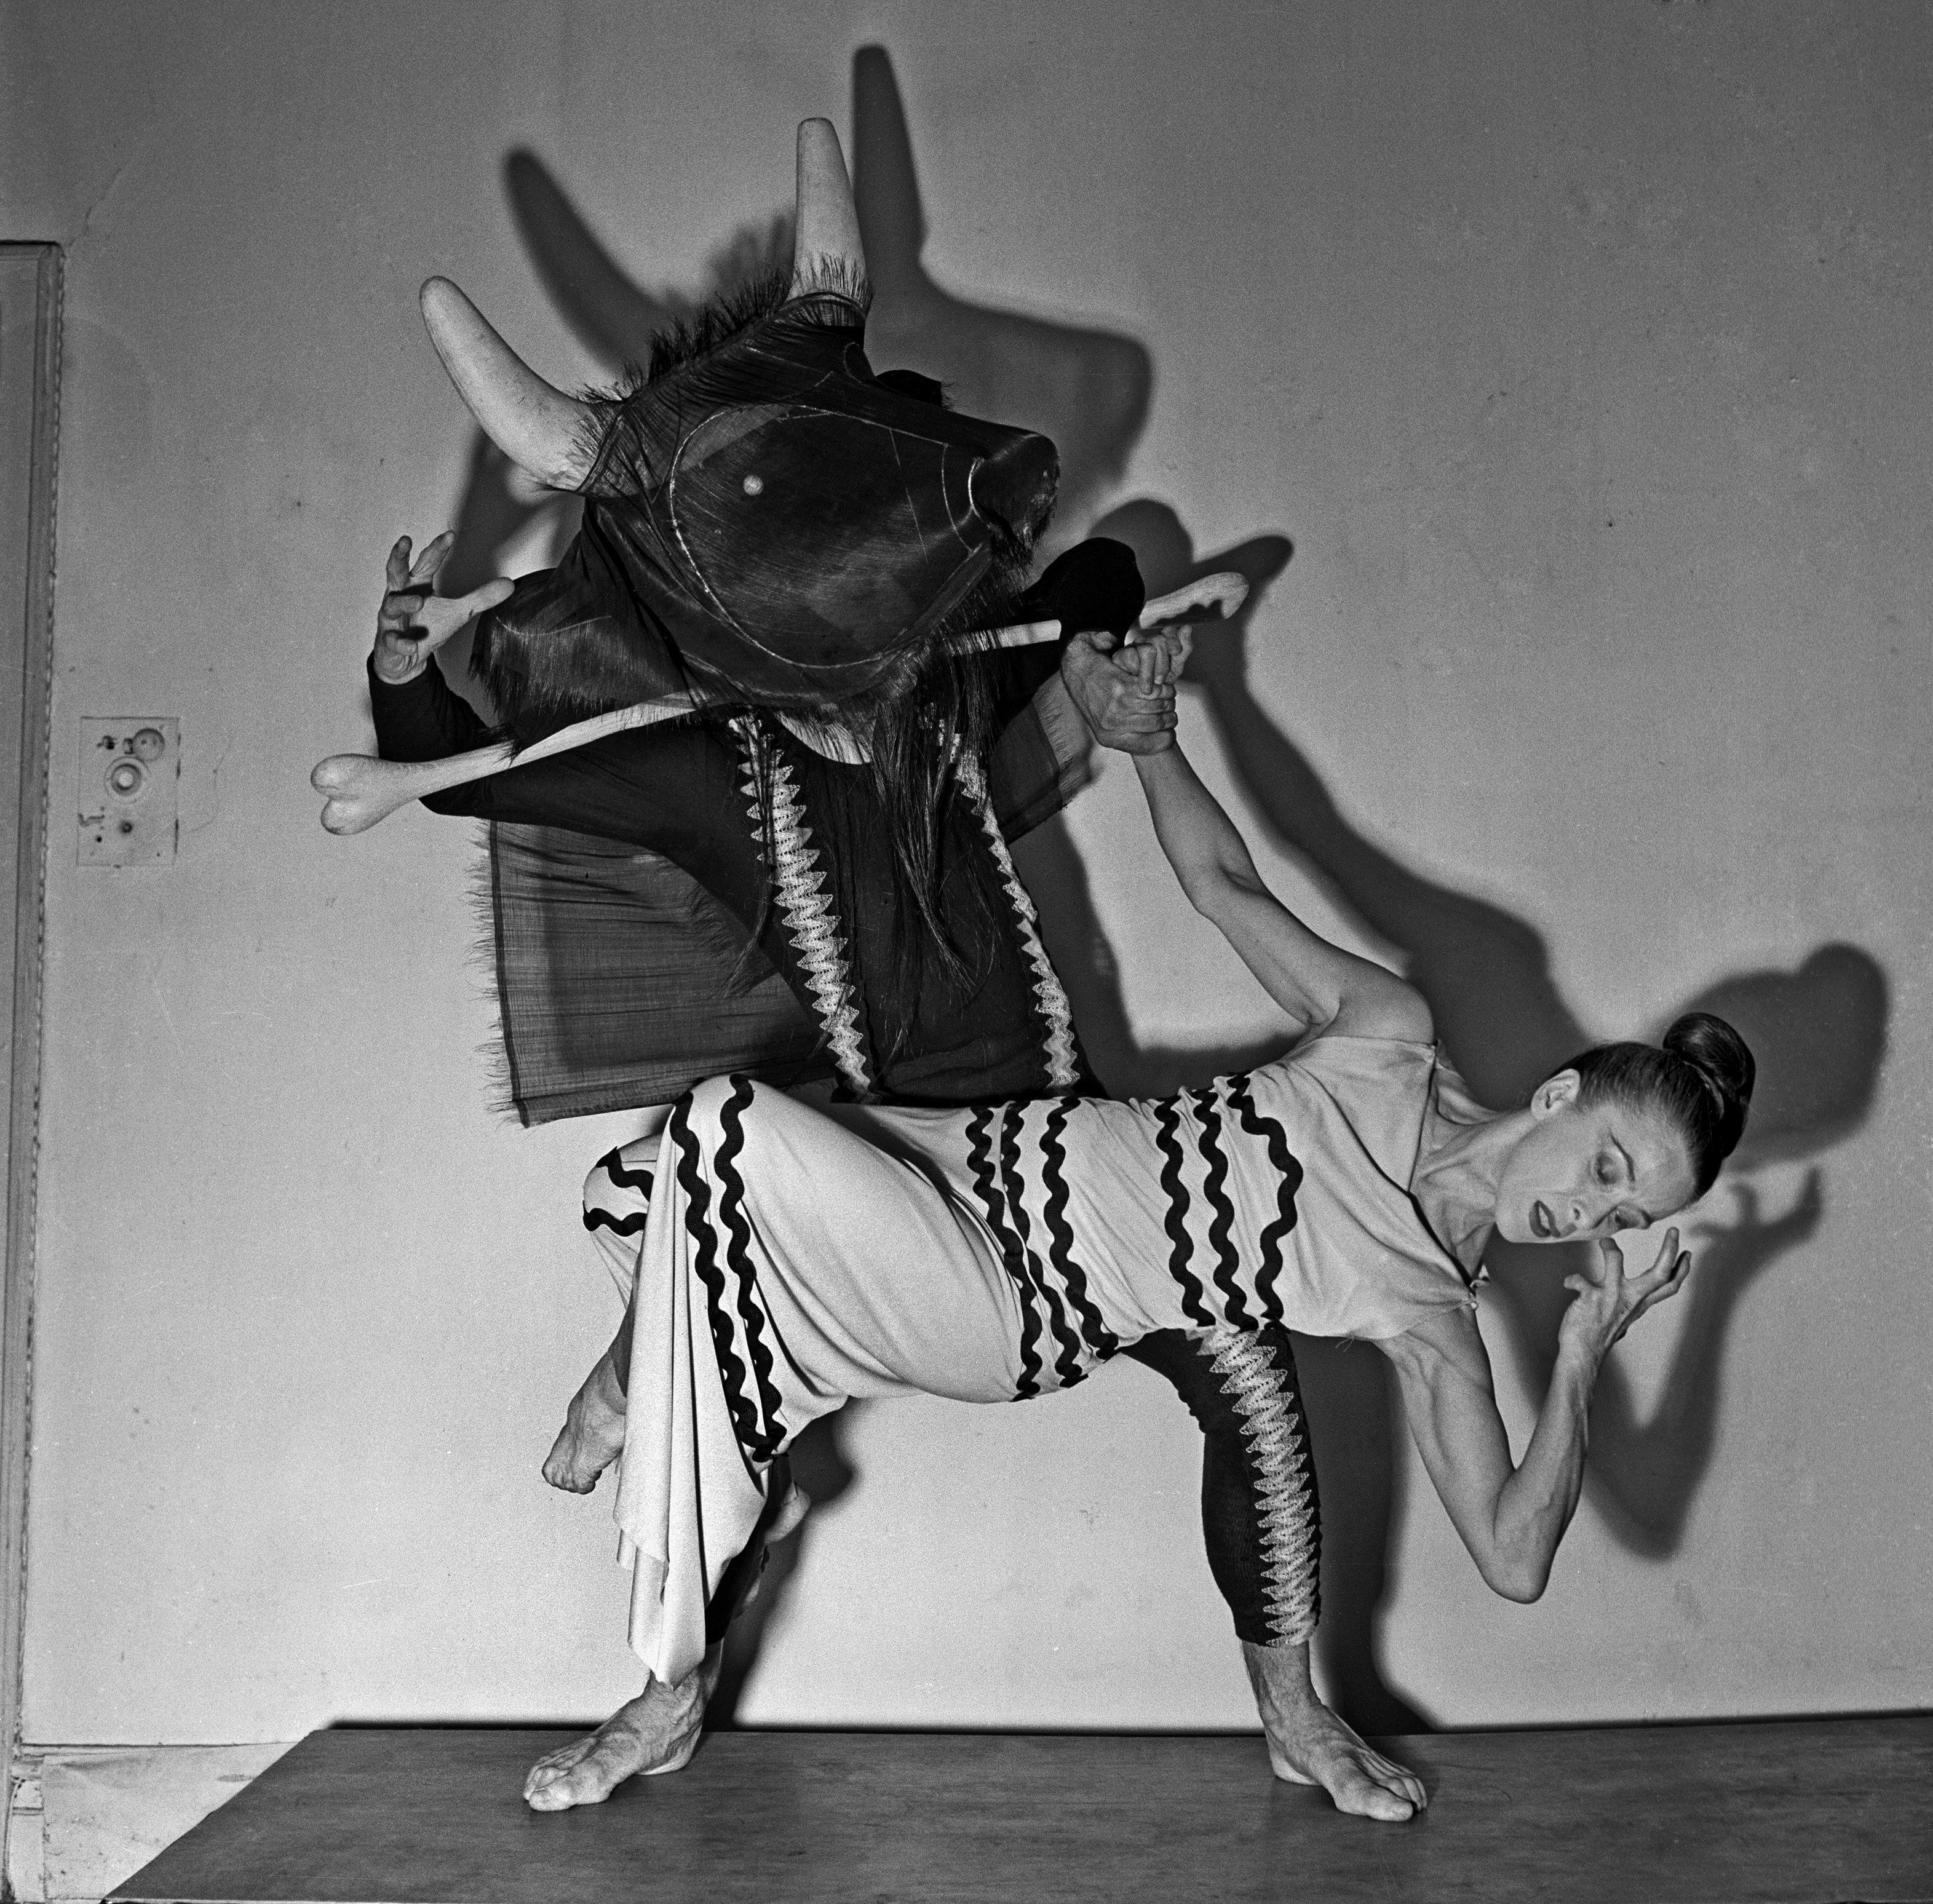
794, 1257
786, 826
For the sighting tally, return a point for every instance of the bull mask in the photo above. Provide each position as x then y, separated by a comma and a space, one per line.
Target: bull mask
764, 518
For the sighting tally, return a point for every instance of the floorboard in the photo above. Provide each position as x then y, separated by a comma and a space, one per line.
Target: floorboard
1809, 1812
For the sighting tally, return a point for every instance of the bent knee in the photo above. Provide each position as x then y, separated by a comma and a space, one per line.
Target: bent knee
622, 1179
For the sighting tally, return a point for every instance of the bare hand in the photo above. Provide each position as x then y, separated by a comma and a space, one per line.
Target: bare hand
415, 621
1609, 1302
1126, 693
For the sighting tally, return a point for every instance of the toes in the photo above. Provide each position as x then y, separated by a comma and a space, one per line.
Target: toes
1393, 1777
1381, 1789
562, 1795
567, 1778
563, 1467
544, 1773
1354, 1792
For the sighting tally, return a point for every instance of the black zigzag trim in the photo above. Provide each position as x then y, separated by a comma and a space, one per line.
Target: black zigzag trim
612, 1164
1288, 1179
1214, 1188
980, 1155
1098, 1337
1067, 1352
738, 1257
615, 1168
1194, 1297
732, 1371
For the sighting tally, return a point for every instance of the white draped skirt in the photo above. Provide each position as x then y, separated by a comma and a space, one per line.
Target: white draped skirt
788, 1263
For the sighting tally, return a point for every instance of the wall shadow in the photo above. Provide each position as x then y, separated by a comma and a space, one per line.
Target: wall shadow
1087, 387
1817, 1030
820, 1467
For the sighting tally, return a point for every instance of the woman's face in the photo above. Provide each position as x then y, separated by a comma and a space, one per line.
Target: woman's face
1582, 1171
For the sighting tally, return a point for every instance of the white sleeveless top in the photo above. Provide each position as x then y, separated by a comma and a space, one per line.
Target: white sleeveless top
1278, 1195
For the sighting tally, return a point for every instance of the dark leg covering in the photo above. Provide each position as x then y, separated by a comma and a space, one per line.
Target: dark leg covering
1259, 1507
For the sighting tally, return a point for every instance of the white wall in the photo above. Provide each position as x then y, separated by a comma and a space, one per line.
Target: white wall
1583, 355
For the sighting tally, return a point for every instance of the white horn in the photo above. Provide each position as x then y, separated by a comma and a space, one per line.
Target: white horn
539, 428
826, 249
361, 790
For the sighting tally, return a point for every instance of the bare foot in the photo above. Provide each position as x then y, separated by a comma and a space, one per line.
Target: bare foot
1308, 1745
656, 1732
593, 1434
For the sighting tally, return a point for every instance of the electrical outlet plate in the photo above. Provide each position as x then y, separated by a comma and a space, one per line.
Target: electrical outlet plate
130, 784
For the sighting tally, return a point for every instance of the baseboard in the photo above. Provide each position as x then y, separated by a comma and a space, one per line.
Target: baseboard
80, 1818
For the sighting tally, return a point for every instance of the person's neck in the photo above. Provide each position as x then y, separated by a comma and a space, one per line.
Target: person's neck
1455, 1180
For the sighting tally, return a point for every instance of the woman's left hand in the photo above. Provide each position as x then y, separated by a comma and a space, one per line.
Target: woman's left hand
1609, 1302
1126, 694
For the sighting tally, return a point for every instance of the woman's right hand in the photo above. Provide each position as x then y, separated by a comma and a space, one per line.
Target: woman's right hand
414, 620
1608, 1303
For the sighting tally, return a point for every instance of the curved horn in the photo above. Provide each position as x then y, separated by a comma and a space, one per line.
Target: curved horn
827, 247
539, 428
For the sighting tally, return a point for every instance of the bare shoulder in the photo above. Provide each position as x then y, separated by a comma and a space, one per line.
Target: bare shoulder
1378, 1004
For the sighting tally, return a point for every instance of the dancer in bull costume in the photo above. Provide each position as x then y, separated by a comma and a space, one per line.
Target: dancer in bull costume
766, 732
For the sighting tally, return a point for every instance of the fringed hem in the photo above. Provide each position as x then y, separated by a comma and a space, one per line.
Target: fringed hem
486, 956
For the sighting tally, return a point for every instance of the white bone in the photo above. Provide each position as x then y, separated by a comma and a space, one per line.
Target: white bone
1224, 593
539, 428
826, 244
360, 791
1021, 634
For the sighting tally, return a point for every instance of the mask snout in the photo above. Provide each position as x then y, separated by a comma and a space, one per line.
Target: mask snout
1015, 482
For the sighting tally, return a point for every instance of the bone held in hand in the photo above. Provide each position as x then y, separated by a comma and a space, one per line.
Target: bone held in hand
1220, 595
359, 791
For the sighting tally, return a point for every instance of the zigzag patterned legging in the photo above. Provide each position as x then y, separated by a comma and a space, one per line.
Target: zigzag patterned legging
1259, 1512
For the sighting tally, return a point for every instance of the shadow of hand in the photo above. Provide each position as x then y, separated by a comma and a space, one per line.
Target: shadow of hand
1645, 1474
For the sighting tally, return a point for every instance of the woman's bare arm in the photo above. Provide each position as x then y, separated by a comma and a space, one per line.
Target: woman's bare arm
1510, 1516
1320, 986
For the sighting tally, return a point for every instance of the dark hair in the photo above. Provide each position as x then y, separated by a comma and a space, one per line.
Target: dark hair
1700, 1081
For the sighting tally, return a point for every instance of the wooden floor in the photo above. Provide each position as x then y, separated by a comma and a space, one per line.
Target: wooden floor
1836, 1810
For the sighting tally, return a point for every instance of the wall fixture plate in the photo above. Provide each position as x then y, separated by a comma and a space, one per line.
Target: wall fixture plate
129, 783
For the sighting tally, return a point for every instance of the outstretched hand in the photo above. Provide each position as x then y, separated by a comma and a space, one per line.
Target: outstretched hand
414, 620
1125, 693
1608, 1302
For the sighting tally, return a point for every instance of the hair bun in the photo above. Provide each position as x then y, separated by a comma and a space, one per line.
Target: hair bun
1721, 1058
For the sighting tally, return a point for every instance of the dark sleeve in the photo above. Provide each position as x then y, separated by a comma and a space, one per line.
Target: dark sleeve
424, 719
1040, 758
1095, 585
668, 788
1042, 752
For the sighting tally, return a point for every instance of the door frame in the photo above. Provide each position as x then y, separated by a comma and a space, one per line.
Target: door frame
30, 366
